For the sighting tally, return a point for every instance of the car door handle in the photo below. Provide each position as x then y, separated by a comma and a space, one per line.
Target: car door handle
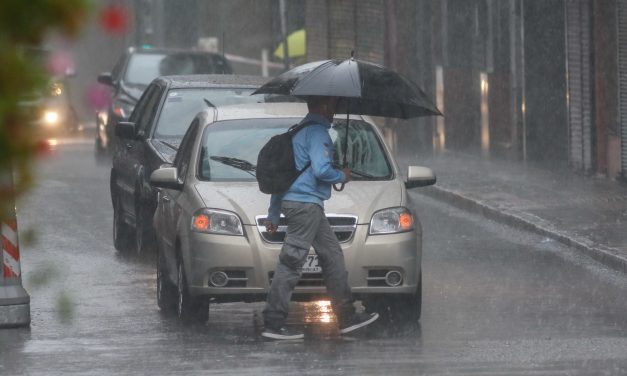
129, 145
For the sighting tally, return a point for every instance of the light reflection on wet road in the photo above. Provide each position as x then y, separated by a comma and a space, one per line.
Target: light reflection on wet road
496, 301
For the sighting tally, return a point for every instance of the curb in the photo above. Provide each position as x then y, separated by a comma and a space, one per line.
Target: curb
605, 255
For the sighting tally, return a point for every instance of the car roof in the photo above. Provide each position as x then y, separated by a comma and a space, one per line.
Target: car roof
161, 50
212, 80
264, 111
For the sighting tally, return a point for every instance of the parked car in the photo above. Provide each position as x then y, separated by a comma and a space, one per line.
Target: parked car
212, 242
132, 74
151, 138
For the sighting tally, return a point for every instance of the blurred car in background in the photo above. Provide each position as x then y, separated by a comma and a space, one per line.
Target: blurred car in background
212, 241
51, 109
151, 138
132, 74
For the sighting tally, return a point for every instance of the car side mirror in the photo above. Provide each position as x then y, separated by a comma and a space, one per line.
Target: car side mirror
418, 176
106, 79
125, 129
166, 177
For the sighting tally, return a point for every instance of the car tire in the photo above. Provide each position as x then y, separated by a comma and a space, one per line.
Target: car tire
144, 237
99, 152
166, 290
122, 232
188, 308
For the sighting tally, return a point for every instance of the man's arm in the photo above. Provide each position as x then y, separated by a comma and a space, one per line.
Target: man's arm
274, 211
320, 153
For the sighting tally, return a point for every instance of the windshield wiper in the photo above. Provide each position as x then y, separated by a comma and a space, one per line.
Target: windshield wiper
209, 104
364, 176
235, 162
169, 145
359, 174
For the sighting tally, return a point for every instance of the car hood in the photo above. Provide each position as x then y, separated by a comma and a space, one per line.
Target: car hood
360, 198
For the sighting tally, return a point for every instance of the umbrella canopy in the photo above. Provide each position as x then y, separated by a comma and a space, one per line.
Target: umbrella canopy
296, 45
367, 88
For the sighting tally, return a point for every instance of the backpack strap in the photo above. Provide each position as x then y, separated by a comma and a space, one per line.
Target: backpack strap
298, 127
295, 129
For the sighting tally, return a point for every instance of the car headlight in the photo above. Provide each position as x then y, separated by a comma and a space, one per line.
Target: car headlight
212, 221
391, 221
51, 117
123, 109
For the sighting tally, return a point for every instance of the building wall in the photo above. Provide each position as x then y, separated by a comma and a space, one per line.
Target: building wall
504, 69
317, 26
545, 100
242, 27
335, 28
605, 65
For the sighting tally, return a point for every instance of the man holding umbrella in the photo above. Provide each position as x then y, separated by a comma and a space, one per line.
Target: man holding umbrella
348, 86
307, 225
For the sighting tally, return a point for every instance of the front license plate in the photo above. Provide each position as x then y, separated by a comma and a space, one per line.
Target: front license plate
311, 265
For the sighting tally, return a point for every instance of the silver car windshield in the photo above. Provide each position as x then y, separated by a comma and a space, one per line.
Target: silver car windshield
181, 105
227, 145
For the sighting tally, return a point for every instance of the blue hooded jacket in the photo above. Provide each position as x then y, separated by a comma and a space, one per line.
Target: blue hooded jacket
314, 144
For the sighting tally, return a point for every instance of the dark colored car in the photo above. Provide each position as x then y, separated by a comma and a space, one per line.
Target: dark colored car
150, 139
132, 74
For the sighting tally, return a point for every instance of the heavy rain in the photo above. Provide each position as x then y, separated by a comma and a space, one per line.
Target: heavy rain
463, 213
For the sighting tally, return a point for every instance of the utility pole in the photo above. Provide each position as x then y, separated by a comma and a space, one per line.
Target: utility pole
286, 55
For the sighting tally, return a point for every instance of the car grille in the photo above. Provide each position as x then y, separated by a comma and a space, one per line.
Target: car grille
342, 225
306, 279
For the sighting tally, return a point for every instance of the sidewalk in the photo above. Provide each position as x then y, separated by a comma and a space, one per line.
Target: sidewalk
587, 213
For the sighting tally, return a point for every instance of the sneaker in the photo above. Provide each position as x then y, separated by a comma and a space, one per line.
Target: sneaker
281, 334
358, 320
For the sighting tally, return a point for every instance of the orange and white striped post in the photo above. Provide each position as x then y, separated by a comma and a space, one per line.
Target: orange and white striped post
14, 300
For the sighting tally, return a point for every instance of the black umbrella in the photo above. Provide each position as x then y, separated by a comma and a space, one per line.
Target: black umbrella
368, 88
365, 88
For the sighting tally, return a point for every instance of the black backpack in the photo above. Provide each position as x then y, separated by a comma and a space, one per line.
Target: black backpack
276, 169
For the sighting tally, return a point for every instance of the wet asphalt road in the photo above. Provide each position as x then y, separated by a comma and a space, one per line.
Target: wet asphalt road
496, 301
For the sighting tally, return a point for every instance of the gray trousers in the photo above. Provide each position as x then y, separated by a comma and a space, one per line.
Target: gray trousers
307, 225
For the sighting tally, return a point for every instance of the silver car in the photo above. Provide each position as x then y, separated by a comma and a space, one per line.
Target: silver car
213, 246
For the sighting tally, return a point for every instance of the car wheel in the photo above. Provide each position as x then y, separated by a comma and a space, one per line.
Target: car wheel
144, 238
188, 308
122, 232
166, 291
99, 152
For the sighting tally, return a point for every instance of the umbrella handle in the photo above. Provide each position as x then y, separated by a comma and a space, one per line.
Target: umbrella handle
341, 188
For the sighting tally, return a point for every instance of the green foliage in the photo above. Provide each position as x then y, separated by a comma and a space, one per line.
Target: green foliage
25, 23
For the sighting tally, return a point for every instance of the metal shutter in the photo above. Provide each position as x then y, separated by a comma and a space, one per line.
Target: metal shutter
579, 80
622, 82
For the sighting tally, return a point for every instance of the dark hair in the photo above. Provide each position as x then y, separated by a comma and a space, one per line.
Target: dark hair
314, 101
